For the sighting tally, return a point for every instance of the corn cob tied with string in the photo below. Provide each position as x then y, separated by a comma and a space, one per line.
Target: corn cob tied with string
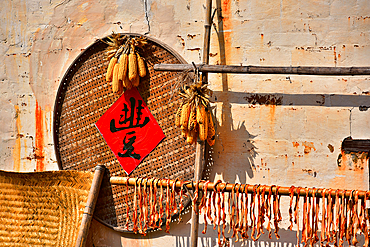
126, 65
194, 116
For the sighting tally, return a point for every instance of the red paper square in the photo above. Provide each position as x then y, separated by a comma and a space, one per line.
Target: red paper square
130, 130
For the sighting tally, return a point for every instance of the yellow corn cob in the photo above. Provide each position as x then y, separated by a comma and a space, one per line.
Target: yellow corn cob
109, 75
201, 112
203, 128
141, 66
123, 67
136, 81
184, 133
115, 81
132, 66
192, 119
211, 136
185, 113
191, 137
178, 117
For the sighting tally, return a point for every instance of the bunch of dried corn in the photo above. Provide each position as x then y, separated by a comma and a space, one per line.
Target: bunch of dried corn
126, 66
194, 116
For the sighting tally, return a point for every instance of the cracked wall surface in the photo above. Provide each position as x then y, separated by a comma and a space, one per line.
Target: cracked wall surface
271, 129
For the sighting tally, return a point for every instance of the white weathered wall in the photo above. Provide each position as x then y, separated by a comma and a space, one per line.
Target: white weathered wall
295, 141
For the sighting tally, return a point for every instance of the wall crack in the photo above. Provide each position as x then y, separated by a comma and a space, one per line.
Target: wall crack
146, 15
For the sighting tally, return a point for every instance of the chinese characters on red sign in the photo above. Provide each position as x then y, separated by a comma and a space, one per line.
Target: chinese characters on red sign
130, 130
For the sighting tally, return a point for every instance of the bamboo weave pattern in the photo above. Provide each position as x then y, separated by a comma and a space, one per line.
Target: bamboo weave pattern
43, 208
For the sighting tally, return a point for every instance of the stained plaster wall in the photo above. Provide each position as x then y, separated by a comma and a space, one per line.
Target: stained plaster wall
271, 129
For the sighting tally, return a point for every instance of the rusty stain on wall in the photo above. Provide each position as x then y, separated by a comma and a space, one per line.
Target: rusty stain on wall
331, 148
17, 146
310, 172
227, 27
308, 146
39, 142
353, 161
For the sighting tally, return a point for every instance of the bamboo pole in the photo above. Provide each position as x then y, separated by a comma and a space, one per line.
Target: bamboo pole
298, 70
90, 206
243, 188
200, 146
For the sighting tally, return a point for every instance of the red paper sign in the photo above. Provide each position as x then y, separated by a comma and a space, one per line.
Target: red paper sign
130, 130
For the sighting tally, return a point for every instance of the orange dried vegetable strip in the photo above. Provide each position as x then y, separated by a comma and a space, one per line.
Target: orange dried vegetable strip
329, 236
296, 213
209, 208
127, 206
316, 224
219, 214
277, 213
269, 211
308, 225
195, 195
168, 206
236, 225
350, 218
363, 221
343, 219
242, 210
134, 215
312, 208
246, 226
203, 201
215, 208
355, 219
261, 211
151, 201
145, 208
141, 214
323, 218
304, 218
291, 190
161, 210
204, 206
253, 213
232, 210
336, 217
181, 205
173, 198
153, 215
223, 214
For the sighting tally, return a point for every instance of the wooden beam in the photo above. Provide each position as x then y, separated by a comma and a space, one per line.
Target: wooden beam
297, 70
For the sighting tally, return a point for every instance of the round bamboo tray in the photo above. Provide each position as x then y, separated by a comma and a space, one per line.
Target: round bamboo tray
84, 96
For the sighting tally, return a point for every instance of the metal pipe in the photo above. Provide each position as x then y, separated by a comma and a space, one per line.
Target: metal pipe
246, 188
298, 70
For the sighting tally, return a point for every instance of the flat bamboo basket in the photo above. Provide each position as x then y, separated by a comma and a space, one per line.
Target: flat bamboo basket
42, 208
84, 96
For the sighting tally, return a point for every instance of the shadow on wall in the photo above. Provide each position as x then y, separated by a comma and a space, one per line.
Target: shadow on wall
328, 100
241, 159
179, 236
287, 238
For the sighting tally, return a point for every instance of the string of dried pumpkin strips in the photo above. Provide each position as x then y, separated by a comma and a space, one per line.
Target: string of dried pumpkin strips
126, 64
194, 116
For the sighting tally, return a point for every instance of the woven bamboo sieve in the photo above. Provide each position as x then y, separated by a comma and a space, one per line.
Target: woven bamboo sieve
84, 96
42, 208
